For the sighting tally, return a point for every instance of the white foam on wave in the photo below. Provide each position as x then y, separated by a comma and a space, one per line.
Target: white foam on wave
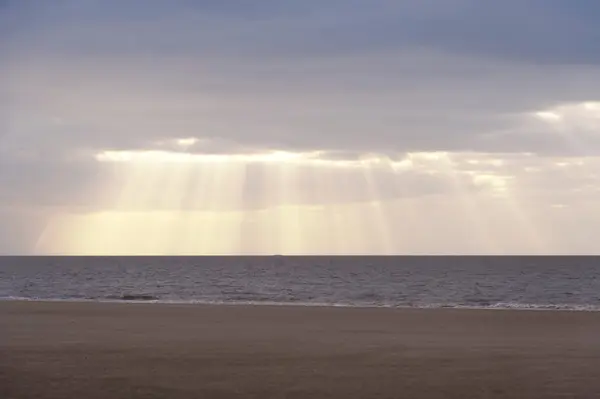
495, 306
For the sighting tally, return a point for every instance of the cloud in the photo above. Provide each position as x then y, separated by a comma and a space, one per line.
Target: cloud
490, 101
399, 76
561, 31
331, 106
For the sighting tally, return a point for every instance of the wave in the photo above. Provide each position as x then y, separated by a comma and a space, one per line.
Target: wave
134, 297
155, 300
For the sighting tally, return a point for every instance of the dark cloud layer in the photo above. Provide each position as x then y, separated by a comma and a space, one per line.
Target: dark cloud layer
555, 31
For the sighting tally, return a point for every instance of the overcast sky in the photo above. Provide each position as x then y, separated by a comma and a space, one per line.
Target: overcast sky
313, 126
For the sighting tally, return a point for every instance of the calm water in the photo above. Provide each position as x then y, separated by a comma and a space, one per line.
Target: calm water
545, 282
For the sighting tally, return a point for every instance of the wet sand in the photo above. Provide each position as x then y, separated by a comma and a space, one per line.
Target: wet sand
93, 350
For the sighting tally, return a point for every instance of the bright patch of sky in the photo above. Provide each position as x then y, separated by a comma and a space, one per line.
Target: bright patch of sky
437, 126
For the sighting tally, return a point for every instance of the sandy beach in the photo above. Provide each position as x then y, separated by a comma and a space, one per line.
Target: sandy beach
95, 350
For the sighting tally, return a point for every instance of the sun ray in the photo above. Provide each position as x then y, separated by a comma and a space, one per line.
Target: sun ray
181, 203
173, 197
402, 209
320, 181
499, 193
194, 207
536, 237
213, 225
377, 214
329, 228
227, 201
346, 216
286, 228
470, 208
298, 212
139, 193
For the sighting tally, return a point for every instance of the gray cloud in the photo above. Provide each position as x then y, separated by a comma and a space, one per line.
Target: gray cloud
334, 75
559, 31
332, 106
343, 77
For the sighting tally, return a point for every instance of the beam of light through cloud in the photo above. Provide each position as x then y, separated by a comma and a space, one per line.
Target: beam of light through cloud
377, 214
346, 127
150, 209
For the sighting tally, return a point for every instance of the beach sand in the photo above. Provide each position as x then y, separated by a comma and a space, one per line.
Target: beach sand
107, 351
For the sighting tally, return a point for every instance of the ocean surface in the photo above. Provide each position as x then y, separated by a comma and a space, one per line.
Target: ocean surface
472, 282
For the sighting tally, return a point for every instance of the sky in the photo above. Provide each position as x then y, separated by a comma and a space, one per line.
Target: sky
222, 127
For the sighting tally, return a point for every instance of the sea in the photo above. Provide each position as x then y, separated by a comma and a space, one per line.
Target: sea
537, 282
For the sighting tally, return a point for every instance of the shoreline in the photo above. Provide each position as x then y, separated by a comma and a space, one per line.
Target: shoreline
500, 307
